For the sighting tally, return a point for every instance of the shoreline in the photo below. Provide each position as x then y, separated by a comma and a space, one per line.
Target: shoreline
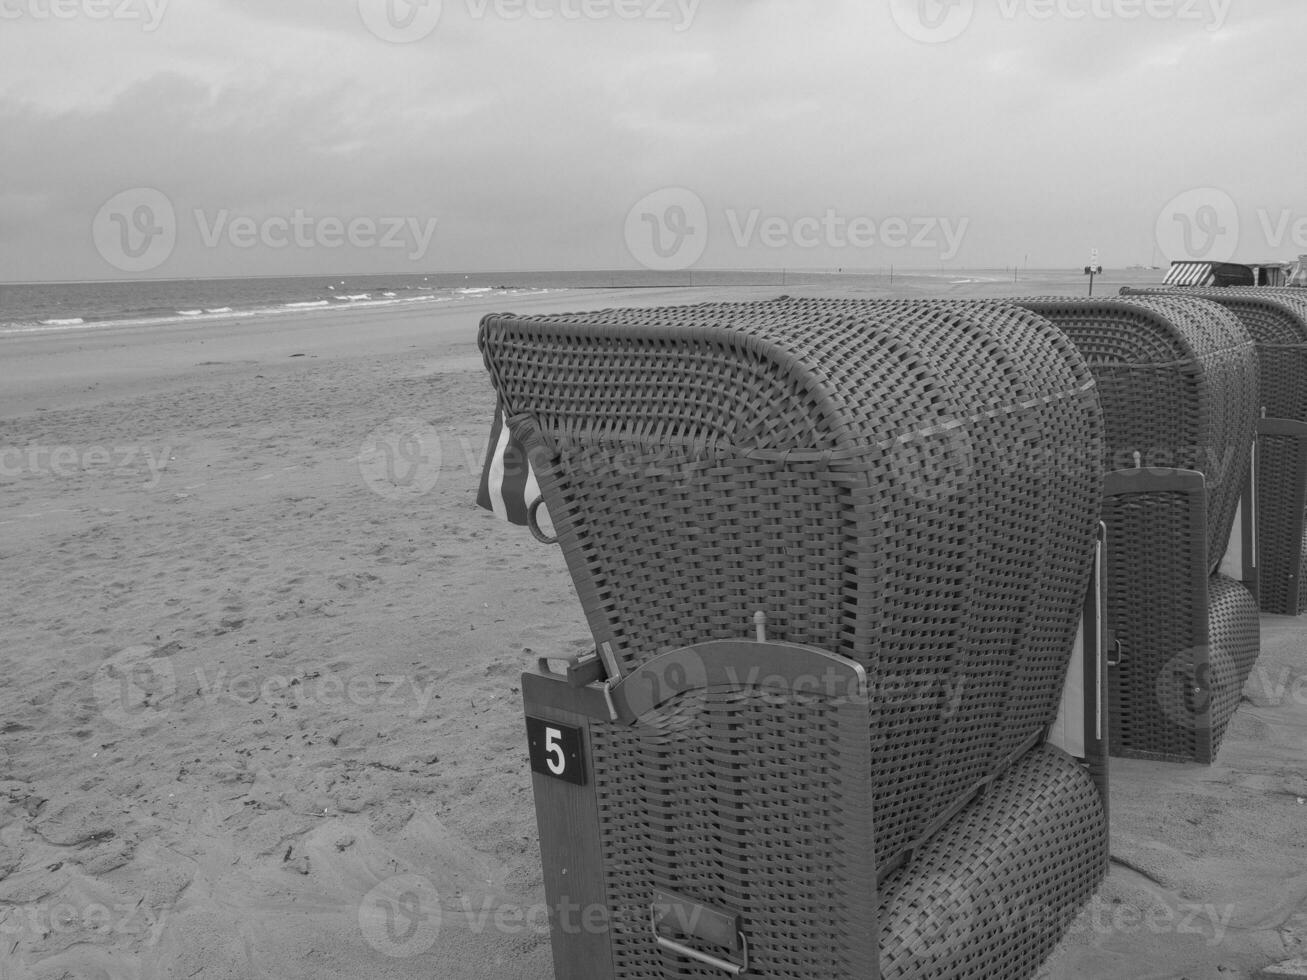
383, 295
133, 353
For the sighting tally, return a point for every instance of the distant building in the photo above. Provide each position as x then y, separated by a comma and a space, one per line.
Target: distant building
1229, 273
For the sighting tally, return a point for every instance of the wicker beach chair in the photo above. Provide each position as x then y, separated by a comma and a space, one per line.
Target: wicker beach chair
1178, 382
834, 592
1277, 321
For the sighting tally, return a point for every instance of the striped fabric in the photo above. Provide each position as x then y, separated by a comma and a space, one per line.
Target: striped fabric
1190, 274
508, 485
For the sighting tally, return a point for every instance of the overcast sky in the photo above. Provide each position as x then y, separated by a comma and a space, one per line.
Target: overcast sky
232, 137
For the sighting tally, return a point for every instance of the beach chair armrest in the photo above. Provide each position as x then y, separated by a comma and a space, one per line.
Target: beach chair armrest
1282, 427
781, 669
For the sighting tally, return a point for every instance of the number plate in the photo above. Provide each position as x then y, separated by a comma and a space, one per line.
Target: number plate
556, 750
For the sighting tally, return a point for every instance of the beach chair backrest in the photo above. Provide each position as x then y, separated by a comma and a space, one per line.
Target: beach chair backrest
914, 488
1177, 377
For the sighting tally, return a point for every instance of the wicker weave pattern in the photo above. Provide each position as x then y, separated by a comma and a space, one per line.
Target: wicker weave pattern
1302, 578
1277, 322
1233, 647
695, 809
991, 894
1177, 378
1146, 715
1019, 680
1024, 338
869, 478
1281, 525
1188, 642
1178, 382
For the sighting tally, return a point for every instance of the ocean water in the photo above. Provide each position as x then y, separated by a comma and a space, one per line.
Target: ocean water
27, 308
51, 307
47, 307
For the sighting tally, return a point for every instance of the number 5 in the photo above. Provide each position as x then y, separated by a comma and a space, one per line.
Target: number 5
554, 751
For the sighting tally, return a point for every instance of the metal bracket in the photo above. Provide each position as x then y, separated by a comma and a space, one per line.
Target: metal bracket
1117, 658
680, 949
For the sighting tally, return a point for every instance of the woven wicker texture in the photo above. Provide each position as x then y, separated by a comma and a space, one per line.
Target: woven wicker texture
1022, 678
1188, 641
1281, 525
739, 802
1277, 321
1234, 642
1178, 382
876, 481
1177, 378
990, 895
1302, 579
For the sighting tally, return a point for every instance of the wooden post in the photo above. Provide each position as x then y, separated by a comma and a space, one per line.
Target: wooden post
567, 816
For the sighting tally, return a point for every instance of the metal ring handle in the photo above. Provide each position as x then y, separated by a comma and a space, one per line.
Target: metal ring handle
533, 523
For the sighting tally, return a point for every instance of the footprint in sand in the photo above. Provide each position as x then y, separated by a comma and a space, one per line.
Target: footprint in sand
233, 614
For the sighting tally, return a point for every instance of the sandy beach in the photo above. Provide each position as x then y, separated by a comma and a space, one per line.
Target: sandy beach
256, 692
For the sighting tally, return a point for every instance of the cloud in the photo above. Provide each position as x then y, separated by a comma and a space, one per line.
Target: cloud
529, 137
